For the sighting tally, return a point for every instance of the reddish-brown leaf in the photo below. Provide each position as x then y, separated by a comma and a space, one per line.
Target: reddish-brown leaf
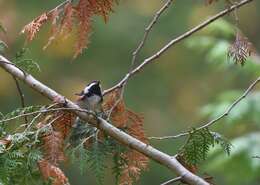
67, 20
33, 27
53, 16
64, 123
136, 162
84, 14
118, 116
50, 171
53, 146
121, 117
240, 50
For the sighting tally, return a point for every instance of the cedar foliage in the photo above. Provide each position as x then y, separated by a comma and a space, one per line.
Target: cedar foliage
49, 147
198, 145
50, 171
132, 123
64, 18
240, 50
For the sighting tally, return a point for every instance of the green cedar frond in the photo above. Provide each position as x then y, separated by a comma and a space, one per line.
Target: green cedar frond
25, 63
97, 156
197, 146
20, 111
199, 143
224, 143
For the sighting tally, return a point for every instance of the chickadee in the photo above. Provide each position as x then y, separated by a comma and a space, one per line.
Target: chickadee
90, 97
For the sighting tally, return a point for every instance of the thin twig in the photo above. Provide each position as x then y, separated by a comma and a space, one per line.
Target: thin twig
60, 6
171, 181
116, 103
45, 126
138, 49
175, 41
37, 116
147, 31
46, 111
21, 96
226, 113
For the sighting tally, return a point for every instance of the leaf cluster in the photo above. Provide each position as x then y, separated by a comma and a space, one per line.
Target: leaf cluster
18, 160
64, 18
59, 134
198, 145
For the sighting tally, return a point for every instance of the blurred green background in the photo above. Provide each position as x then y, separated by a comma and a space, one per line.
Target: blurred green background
192, 83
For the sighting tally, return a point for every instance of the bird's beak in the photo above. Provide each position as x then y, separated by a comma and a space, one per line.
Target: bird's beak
81, 96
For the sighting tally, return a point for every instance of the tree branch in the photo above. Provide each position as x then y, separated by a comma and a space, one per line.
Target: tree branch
158, 156
171, 181
147, 31
46, 111
21, 96
225, 114
138, 49
175, 41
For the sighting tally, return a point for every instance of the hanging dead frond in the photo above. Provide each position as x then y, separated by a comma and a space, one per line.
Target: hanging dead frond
114, 106
53, 147
33, 27
53, 141
52, 172
63, 18
84, 14
102, 8
132, 123
135, 126
64, 123
135, 161
53, 16
67, 20
240, 50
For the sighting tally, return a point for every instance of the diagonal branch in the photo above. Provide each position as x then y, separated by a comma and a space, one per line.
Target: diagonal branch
148, 29
187, 34
158, 156
225, 114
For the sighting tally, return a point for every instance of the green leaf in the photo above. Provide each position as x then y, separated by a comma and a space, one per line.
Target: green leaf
3, 46
20, 111
25, 63
243, 149
96, 161
2, 148
2, 28
224, 143
199, 144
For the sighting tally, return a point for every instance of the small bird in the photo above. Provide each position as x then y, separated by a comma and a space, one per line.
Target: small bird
90, 98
